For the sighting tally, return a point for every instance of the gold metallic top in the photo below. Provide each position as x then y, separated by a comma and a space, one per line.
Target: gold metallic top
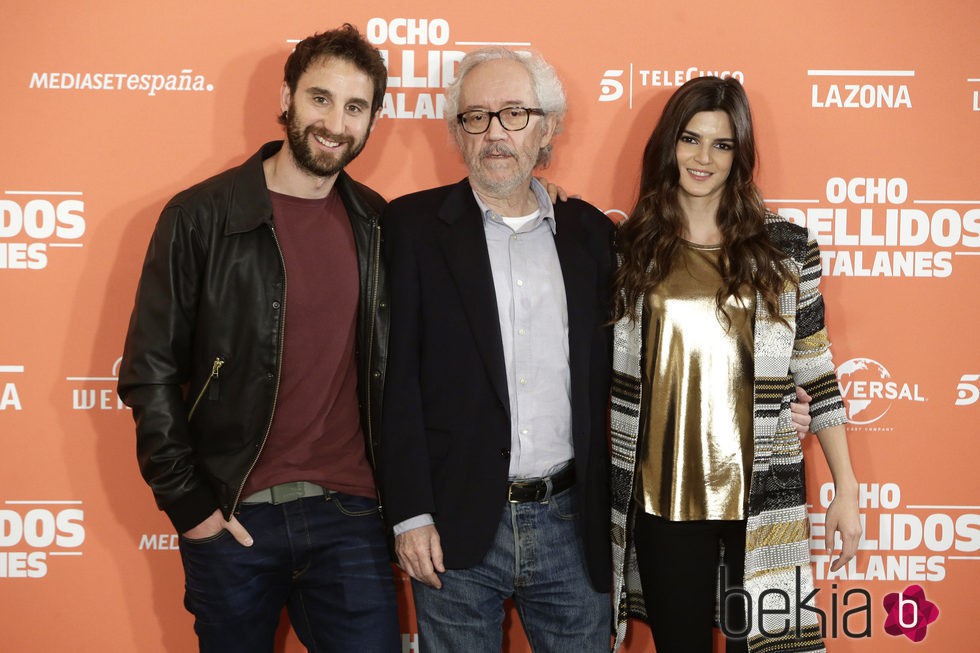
695, 455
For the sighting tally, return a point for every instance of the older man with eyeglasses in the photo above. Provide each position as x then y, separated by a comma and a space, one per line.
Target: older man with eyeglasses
494, 463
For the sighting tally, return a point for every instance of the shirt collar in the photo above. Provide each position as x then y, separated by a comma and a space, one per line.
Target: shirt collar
545, 208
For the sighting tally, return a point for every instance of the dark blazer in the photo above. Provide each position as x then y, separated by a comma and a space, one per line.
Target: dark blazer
445, 435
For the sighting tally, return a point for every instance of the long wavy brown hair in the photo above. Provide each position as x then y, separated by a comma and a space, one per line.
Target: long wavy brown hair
648, 240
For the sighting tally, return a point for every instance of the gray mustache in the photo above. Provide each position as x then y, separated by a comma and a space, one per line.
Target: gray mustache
497, 149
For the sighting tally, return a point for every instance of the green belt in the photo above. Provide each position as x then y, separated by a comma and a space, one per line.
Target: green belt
286, 492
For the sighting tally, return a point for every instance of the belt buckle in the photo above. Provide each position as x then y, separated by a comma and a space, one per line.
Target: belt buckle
548, 487
286, 492
542, 490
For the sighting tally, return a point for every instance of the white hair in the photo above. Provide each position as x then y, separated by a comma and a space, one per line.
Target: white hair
548, 90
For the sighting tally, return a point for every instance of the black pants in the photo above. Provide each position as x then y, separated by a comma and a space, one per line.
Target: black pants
679, 570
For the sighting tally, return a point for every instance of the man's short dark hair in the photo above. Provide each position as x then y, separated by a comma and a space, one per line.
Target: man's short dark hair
344, 43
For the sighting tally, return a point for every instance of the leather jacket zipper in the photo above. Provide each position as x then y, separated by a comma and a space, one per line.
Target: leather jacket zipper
275, 393
372, 316
210, 382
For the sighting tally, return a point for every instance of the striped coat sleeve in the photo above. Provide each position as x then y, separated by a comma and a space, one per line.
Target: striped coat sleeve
811, 364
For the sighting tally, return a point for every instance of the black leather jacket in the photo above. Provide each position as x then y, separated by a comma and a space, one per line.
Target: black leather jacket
201, 362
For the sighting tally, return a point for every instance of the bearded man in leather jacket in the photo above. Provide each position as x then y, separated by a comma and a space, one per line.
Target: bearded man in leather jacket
254, 365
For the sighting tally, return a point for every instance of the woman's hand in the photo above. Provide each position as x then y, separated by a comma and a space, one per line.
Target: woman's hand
555, 192
842, 515
843, 518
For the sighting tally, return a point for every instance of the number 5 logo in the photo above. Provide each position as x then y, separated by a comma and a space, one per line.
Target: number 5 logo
967, 391
610, 88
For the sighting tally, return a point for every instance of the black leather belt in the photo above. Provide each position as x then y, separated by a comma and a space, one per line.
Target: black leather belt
541, 489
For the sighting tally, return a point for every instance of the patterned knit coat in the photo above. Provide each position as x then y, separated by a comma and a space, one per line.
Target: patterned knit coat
777, 548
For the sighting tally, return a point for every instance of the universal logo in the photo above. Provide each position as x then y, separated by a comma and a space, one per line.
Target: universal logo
870, 390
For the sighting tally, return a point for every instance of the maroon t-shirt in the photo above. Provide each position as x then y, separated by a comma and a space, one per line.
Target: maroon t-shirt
316, 432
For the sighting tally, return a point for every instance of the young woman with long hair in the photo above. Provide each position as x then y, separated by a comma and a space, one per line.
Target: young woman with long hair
718, 318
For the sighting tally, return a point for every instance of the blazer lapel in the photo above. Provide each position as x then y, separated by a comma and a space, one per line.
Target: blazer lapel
464, 245
578, 271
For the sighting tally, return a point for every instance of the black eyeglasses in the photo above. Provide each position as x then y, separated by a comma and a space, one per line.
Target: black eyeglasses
513, 119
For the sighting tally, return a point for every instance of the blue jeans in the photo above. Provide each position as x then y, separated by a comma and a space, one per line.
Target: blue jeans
323, 558
537, 558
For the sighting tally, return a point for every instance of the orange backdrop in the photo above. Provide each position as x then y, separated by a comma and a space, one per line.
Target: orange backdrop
868, 117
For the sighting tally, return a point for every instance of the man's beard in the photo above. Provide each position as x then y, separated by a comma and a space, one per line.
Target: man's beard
320, 164
482, 167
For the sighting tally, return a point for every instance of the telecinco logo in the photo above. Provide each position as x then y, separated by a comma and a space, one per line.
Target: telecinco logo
870, 390
613, 86
968, 390
610, 88
31, 222
30, 531
96, 392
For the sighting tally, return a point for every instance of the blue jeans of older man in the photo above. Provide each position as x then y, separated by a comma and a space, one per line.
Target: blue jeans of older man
536, 558
324, 559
